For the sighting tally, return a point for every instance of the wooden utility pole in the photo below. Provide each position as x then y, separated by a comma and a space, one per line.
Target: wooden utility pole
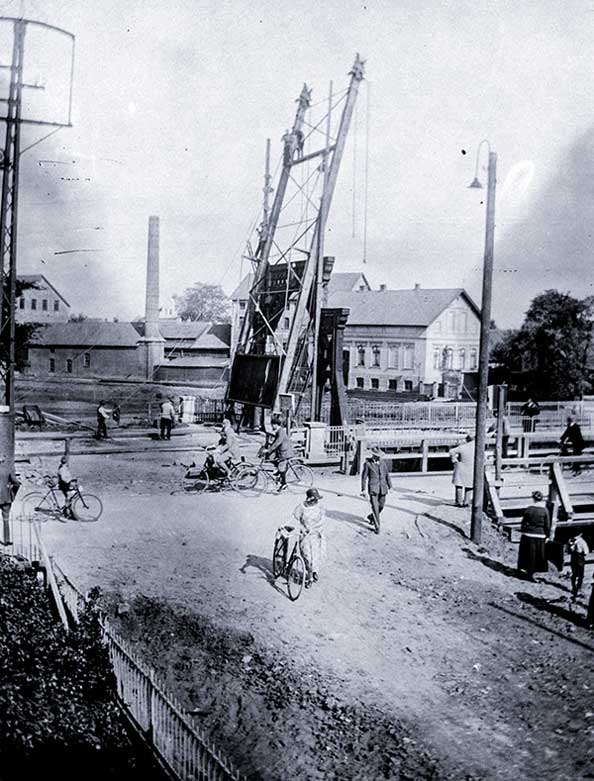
478, 485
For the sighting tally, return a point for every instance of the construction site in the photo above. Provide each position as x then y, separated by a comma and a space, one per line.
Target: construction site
421, 649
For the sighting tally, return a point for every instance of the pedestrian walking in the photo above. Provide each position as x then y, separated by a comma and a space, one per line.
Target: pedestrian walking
463, 460
535, 528
376, 478
312, 539
167, 418
9, 485
529, 411
578, 550
572, 438
102, 414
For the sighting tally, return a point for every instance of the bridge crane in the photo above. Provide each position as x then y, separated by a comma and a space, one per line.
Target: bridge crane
264, 370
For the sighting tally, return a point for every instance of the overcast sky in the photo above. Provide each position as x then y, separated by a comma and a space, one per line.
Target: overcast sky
173, 103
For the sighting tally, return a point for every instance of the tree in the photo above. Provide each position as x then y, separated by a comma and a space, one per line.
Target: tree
203, 302
551, 349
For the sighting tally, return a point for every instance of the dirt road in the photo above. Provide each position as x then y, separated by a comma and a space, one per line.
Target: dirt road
416, 656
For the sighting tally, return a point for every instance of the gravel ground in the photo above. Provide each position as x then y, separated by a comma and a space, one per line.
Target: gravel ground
417, 656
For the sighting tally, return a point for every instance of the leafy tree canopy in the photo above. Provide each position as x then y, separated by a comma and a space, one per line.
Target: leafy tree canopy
203, 302
552, 347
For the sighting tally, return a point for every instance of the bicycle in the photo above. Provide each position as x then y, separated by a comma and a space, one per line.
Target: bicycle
210, 477
289, 565
86, 508
298, 476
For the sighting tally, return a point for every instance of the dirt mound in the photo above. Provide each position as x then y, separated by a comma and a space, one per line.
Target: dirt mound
272, 717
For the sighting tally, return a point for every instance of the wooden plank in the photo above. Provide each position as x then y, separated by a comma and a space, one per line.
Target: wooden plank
493, 498
425, 456
561, 488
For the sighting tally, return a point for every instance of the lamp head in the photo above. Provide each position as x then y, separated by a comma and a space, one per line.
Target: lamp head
475, 184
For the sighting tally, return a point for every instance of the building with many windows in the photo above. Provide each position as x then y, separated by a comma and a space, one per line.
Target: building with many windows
417, 341
40, 302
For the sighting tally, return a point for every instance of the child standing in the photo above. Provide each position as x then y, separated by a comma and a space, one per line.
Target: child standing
578, 549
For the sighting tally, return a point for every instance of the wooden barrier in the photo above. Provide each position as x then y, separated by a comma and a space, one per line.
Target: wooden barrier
568, 508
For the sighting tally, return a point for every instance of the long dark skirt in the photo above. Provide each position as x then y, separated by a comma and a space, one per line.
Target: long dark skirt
531, 556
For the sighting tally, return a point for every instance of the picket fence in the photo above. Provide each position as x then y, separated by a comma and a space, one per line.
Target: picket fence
183, 748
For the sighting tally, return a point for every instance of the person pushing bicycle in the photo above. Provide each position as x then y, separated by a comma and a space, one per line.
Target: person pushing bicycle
312, 540
66, 484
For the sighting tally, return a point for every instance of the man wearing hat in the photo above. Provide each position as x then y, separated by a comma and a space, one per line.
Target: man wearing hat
312, 540
376, 476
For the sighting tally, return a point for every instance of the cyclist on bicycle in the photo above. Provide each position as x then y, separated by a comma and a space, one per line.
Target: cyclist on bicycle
280, 449
227, 450
66, 483
312, 539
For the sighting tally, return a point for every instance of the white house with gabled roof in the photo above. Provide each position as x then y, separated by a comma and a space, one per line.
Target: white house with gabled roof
40, 302
417, 340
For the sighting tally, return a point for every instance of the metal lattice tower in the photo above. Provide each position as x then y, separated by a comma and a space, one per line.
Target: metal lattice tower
278, 277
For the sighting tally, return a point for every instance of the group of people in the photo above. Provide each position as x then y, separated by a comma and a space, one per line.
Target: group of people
536, 550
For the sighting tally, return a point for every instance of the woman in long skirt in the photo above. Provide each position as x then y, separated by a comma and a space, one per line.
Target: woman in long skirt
311, 515
535, 528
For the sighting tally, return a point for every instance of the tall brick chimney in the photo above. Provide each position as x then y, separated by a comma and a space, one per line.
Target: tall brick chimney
152, 344
151, 311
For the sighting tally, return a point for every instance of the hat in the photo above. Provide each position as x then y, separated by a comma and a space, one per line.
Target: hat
375, 451
311, 494
537, 496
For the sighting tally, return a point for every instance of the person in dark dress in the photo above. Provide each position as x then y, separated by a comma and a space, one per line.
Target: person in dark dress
572, 437
535, 528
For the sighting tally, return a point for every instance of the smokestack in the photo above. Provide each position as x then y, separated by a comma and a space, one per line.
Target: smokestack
151, 311
151, 352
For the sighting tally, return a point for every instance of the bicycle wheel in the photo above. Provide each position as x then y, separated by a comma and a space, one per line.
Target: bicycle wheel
299, 477
87, 508
199, 483
296, 577
279, 557
37, 506
249, 481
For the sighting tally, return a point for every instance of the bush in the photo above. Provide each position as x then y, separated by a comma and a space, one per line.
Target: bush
57, 689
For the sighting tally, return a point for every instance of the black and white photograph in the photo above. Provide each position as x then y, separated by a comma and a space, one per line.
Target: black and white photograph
297, 390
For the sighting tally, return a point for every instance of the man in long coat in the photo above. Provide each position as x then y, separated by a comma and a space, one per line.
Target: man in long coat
377, 477
463, 460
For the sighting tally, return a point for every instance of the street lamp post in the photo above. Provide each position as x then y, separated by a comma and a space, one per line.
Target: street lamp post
478, 484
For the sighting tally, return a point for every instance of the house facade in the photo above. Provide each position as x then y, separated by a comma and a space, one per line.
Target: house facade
87, 349
417, 341
41, 303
